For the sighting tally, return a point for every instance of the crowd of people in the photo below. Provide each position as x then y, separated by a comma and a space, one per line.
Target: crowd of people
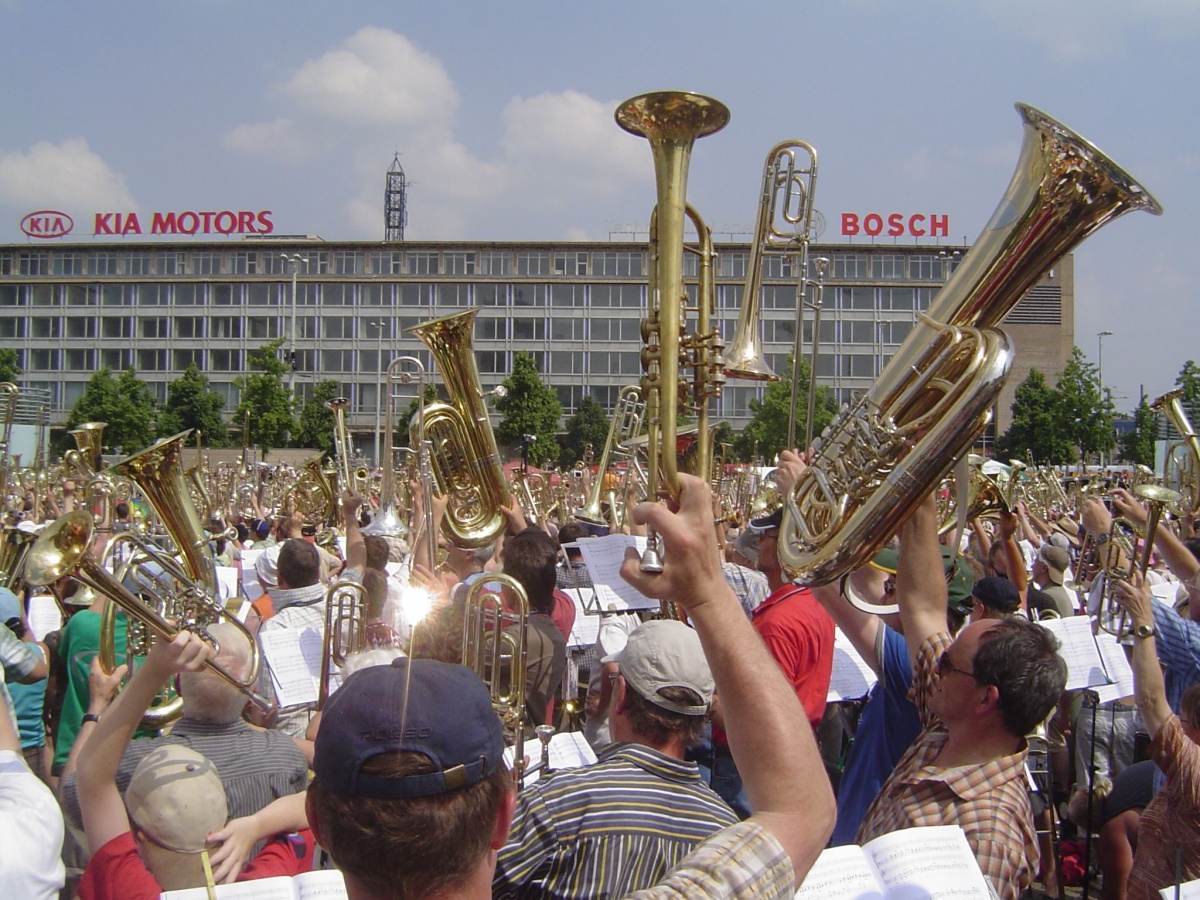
722, 768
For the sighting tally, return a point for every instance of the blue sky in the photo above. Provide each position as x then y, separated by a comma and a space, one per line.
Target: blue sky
502, 114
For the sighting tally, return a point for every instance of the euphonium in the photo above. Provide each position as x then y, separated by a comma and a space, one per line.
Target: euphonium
1170, 405
466, 461
1111, 617
882, 456
626, 421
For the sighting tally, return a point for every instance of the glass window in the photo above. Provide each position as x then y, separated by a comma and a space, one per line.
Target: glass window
779, 296
532, 263
306, 360
416, 294
372, 329
529, 329
856, 298
262, 328
117, 359
616, 329
925, 297
43, 294
337, 360
337, 294
81, 327
12, 327
895, 298
306, 327
567, 294
243, 262
850, 266
375, 294
152, 360
189, 327
529, 294
491, 294
924, 268
563, 329
421, 262
566, 362
491, 328
68, 264
118, 294
776, 265
779, 331
572, 262
172, 263
385, 262
188, 294
206, 262
888, 266
495, 262
261, 293
79, 295
226, 294
348, 262
828, 332
225, 327
729, 296
493, 362
103, 262
154, 327
621, 264
733, 264
691, 265
33, 263
858, 365
45, 360
10, 295
116, 327
222, 360
454, 294
858, 332
80, 360
337, 328
184, 358
459, 262
894, 332
628, 295
152, 294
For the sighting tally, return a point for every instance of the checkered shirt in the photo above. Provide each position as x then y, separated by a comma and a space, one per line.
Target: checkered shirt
989, 802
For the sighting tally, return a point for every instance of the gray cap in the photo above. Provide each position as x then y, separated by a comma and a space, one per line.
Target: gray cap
665, 653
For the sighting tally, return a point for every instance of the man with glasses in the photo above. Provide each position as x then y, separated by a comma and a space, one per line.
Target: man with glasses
978, 696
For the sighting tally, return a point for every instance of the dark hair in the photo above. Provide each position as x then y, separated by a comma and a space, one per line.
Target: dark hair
658, 725
1193, 546
530, 557
415, 847
1021, 659
299, 563
377, 552
570, 533
121, 509
375, 585
243, 532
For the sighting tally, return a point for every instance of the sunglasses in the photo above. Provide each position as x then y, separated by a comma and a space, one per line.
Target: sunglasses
944, 665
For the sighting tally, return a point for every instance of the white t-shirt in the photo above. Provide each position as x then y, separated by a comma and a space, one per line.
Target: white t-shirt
31, 833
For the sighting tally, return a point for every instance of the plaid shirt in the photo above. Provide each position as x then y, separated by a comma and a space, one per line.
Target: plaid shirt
990, 802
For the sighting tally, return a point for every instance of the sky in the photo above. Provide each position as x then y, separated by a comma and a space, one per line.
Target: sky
502, 114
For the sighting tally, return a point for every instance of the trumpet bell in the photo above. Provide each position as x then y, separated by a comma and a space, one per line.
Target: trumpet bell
59, 548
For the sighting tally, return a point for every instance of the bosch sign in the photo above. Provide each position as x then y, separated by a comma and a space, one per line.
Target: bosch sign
47, 223
188, 222
896, 224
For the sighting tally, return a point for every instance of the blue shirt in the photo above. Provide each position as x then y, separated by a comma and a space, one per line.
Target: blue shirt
888, 725
1178, 644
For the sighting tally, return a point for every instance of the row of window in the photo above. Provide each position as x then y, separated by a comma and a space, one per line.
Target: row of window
76, 263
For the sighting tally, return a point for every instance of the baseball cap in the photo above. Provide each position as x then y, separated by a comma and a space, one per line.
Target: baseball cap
177, 798
266, 567
774, 520
998, 594
664, 653
747, 544
449, 720
1056, 560
960, 580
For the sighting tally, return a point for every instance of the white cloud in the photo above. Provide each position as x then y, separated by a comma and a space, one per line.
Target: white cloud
64, 175
278, 140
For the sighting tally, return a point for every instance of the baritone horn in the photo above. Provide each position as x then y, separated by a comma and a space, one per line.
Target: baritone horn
1187, 471
881, 456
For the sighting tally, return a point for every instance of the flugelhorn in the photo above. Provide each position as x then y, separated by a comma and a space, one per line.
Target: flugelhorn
882, 455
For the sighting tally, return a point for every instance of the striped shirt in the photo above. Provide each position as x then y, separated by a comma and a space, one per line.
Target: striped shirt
608, 829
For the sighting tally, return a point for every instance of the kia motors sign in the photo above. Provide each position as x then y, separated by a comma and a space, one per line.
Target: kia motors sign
896, 224
188, 222
47, 223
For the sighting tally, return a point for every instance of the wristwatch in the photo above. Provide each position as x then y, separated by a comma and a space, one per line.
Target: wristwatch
1144, 631
1102, 538
90, 717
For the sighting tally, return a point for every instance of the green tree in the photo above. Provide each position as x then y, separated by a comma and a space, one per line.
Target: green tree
267, 400
1137, 445
191, 403
589, 425
1086, 414
1035, 427
766, 434
10, 365
315, 427
1189, 380
529, 408
125, 403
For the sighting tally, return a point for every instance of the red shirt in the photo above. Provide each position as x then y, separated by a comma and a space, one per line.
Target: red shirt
116, 871
799, 634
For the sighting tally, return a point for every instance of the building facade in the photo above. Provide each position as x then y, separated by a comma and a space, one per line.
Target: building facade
343, 308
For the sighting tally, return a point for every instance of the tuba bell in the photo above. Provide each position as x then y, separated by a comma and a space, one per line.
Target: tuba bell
882, 455
1186, 473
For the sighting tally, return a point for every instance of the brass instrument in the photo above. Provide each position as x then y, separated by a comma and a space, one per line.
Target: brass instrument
345, 629
313, 495
343, 447
625, 424
672, 121
388, 520
1187, 476
494, 648
9, 393
1111, 617
882, 455
464, 456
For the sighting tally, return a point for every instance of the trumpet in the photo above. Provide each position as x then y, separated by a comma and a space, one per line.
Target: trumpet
1157, 498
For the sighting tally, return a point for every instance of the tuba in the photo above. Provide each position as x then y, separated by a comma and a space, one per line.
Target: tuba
882, 455
464, 456
1187, 476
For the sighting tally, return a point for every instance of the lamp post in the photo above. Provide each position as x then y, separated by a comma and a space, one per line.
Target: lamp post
1100, 336
380, 327
294, 261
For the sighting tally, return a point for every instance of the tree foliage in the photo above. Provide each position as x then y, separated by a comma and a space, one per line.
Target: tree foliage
1137, 445
10, 365
124, 403
1035, 428
267, 400
315, 426
766, 434
529, 408
191, 403
1086, 413
589, 425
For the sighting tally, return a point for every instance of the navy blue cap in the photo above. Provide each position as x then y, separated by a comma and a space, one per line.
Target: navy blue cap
998, 594
450, 721
774, 520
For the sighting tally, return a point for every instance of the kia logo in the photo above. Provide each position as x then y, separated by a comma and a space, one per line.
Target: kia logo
47, 223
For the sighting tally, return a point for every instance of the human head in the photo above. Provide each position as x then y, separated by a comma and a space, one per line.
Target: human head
266, 567
378, 551
530, 557
409, 803
668, 685
1189, 712
569, 534
1052, 563
121, 510
1021, 659
207, 697
767, 561
960, 580
994, 597
299, 564
997, 561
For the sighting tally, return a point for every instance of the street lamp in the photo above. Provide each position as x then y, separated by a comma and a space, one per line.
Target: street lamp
381, 327
1100, 336
294, 261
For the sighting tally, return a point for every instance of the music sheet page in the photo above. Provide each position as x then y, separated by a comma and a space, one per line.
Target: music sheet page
841, 872
603, 557
852, 677
294, 658
934, 862
1085, 668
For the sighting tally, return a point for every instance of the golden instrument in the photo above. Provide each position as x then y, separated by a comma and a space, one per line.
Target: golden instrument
625, 424
1111, 617
89, 439
345, 629
313, 495
343, 447
465, 459
882, 455
1187, 474
388, 520
9, 393
494, 648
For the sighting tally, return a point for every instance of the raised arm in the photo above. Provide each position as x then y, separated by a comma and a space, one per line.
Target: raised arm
356, 547
768, 730
920, 578
1148, 684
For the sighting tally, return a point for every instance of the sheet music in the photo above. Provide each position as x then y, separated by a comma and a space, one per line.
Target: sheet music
585, 629
44, 616
250, 586
227, 581
1118, 668
568, 750
1188, 890
1085, 667
933, 861
840, 872
603, 557
294, 658
852, 677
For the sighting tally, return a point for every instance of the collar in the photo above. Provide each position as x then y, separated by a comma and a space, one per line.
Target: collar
967, 782
194, 726
301, 596
777, 596
650, 760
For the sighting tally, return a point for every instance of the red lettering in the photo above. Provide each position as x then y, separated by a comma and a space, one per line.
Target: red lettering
939, 226
205, 223
103, 224
873, 223
132, 225
895, 224
265, 225
915, 228
245, 222
163, 223
849, 223
229, 219
36, 226
193, 222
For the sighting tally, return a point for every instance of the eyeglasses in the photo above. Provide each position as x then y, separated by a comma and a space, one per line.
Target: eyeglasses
944, 665
889, 587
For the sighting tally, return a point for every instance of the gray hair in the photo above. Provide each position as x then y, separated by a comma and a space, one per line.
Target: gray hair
206, 696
